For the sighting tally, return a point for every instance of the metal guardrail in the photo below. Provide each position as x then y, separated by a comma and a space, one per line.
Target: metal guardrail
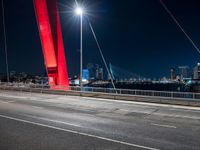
149, 93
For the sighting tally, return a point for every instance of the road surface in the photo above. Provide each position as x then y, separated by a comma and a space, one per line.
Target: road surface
52, 122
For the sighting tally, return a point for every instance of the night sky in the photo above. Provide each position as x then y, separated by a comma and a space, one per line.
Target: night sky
136, 35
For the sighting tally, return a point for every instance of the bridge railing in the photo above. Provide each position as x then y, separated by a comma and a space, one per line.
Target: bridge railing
109, 91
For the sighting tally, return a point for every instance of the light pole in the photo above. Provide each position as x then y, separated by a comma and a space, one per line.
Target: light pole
79, 12
5, 42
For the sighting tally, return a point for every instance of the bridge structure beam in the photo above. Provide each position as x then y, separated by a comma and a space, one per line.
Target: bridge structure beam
49, 25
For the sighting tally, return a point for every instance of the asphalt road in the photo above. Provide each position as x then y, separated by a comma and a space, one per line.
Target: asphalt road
53, 122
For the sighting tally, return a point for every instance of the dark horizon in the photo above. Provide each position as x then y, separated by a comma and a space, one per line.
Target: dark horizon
138, 36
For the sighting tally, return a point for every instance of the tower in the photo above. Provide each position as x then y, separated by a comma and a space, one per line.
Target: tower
197, 72
52, 42
184, 72
173, 73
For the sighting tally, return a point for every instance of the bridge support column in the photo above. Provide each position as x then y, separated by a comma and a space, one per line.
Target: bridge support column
52, 42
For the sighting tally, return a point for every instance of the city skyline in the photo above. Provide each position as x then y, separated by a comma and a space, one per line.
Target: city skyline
148, 44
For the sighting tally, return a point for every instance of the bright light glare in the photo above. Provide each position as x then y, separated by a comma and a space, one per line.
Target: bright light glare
79, 11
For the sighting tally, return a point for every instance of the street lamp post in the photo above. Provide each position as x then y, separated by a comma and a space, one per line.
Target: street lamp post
79, 11
81, 51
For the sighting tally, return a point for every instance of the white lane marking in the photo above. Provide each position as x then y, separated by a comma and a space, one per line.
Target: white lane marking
178, 116
61, 122
144, 103
186, 110
55, 121
37, 107
6, 102
12, 96
163, 125
126, 110
80, 133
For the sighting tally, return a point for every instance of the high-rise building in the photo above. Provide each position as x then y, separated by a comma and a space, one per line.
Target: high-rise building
101, 73
97, 71
184, 72
86, 75
91, 68
197, 71
173, 73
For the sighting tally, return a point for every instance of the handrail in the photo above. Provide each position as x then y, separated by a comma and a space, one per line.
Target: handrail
132, 92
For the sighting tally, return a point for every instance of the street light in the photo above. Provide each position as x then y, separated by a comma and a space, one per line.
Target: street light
79, 11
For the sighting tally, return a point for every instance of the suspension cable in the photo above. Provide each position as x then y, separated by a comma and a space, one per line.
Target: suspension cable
179, 25
5, 42
76, 2
101, 53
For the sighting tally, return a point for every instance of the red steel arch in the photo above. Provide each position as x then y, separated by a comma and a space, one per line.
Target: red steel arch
52, 42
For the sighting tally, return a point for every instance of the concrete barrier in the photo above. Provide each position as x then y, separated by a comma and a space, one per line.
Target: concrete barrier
124, 97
